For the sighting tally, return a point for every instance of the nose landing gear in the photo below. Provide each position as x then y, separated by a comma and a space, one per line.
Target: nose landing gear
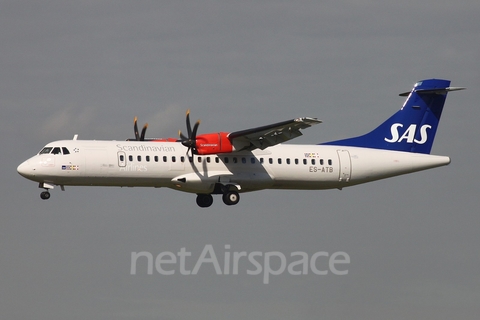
45, 195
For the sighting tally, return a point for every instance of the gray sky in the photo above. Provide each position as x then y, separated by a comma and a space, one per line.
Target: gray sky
89, 67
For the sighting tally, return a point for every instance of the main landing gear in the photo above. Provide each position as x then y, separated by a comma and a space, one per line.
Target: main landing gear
230, 197
204, 200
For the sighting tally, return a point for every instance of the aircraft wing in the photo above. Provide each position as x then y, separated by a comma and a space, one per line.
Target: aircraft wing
270, 135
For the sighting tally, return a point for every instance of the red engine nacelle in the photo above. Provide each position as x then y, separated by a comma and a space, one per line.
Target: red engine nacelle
211, 143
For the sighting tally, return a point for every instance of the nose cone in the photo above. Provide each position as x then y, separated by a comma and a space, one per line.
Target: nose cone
26, 169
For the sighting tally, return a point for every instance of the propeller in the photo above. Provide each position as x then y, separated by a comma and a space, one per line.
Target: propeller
190, 141
140, 137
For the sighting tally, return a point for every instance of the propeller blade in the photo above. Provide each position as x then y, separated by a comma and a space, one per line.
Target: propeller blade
195, 128
142, 136
182, 137
190, 140
135, 128
189, 128
194, 137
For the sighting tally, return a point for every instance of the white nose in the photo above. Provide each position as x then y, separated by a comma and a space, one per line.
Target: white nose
26, 169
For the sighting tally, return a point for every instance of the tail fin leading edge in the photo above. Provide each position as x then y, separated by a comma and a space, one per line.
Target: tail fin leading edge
413, 127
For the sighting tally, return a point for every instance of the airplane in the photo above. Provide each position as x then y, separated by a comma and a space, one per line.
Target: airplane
230, 163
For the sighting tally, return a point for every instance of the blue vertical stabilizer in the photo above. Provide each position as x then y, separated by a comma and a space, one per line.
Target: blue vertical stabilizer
413, 127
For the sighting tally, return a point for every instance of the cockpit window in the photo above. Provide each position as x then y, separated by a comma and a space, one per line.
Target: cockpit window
54, 150
46, 150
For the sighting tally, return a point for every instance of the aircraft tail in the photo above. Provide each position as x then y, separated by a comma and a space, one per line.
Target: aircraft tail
413, 127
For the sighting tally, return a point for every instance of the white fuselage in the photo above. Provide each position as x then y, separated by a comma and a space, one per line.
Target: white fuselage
167, 164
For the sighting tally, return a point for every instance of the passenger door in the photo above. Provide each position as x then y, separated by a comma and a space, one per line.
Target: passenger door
345, 165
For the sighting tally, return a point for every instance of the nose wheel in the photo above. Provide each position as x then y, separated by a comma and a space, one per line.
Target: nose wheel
45, 195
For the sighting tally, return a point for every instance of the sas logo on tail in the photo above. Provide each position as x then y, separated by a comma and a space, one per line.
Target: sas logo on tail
409, 134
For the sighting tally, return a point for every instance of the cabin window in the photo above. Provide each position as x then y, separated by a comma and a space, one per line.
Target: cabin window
199, 159
329, 162
252, 160
321, 162
147, 158
296, 161
270, 160
182, 159
313, 161
139, 158
288, 161
65, 150
130, 158
122, 158
244, 160
208, 159
174, 159
304, 161
164, 158
261, 160
225, 159
155, 158
217, 159
190, 159
235, 160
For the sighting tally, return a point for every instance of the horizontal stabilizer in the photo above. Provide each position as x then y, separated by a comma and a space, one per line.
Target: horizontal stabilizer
437, 91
